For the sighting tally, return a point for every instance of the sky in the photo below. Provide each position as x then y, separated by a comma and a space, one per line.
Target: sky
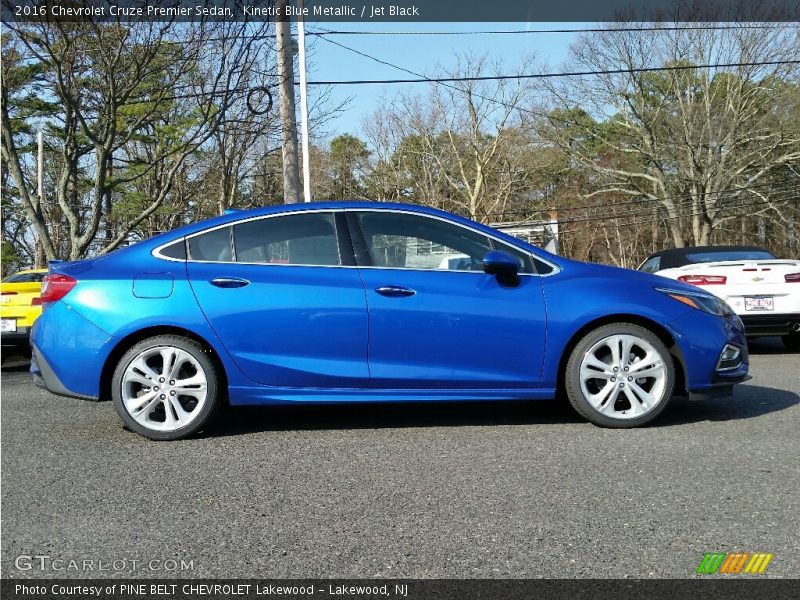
420, 53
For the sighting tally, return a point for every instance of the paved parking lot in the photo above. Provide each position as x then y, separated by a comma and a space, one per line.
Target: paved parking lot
462, 490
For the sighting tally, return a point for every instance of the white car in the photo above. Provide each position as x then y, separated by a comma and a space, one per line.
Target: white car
763, 290
458, 262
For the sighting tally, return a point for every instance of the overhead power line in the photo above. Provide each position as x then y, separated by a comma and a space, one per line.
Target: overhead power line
549, 116
330, 32
628, 221
679, 200
554, 75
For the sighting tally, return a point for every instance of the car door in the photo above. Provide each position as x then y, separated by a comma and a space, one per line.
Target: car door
283, 296
436, 320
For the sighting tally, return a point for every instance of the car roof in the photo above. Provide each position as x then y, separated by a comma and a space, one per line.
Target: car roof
238, 214
676, 257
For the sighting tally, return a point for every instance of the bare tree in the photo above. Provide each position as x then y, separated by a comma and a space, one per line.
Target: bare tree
700, 141
465, 136
116, 84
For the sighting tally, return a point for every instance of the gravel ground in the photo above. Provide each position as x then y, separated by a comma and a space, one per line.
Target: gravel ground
451, 491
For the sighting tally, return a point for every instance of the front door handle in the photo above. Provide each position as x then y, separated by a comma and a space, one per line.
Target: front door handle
229, 282
394, 291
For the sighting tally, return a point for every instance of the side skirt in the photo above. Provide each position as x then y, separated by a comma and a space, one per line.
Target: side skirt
241, 395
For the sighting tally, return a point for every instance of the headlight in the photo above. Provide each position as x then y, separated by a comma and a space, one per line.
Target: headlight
704, 302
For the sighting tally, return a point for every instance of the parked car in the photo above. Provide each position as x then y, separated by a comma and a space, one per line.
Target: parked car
315, 303
762, 289
460, 262
20, 306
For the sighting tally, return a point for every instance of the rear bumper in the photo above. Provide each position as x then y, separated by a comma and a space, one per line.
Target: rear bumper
18, 340
45, 377
769, 324
68, 352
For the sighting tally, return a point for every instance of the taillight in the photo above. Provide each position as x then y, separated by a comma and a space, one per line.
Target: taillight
36, 301
703, 279
792, 278
56, 286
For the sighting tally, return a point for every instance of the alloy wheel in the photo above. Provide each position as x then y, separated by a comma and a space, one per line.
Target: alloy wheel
623, 376
164, 388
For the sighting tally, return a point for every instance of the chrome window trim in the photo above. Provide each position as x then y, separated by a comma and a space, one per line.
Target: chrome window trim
156, 252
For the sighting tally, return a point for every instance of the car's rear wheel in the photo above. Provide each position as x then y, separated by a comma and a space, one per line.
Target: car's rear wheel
165, 387
620, 375
792, 341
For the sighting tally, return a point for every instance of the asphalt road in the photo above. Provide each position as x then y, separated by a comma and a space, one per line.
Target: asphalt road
464, 490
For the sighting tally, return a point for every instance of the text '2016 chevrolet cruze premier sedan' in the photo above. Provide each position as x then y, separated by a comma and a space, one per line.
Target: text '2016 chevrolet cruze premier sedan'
371, 302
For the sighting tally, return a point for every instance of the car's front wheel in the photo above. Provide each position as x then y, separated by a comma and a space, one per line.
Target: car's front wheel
620, 375
165, 387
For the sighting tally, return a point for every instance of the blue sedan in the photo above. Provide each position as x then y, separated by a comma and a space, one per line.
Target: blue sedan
371, 302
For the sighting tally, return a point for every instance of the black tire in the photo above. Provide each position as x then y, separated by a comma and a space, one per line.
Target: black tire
792, 342
199, 420
572, 377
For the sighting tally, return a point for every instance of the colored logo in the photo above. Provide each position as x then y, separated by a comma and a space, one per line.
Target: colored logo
734, 563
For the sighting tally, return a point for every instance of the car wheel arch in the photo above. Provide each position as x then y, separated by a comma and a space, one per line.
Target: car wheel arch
659, 330
127, 342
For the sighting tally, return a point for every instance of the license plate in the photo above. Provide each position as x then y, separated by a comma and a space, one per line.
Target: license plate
759, 303
8, 325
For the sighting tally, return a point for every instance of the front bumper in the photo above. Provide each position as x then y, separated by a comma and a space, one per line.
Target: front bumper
769, 324
719, 389
702, 338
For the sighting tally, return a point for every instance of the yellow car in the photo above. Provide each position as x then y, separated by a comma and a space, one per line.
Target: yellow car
20, 305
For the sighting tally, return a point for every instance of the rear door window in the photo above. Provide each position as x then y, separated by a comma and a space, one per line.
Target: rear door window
213, 246
299, 239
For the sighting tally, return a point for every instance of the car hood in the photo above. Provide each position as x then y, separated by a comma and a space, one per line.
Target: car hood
623, 276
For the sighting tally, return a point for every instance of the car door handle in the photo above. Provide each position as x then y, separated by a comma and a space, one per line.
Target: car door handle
229, 282
393, 291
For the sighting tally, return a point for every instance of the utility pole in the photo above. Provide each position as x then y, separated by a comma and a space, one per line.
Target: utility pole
301, 43
283, 39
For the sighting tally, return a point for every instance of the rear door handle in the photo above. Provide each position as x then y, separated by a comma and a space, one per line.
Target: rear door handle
229, 282
393, 291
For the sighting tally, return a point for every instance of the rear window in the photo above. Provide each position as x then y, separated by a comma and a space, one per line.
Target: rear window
25, 278
704, 257
176, 250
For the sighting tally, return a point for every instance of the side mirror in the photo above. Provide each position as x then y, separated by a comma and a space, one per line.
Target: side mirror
503, 266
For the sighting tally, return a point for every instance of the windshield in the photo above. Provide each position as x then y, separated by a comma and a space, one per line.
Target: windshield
716, 256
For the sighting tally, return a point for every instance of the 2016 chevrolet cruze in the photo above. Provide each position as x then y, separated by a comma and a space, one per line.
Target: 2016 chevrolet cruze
370, 302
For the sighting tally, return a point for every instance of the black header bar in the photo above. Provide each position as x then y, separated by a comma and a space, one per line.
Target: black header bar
404, 11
